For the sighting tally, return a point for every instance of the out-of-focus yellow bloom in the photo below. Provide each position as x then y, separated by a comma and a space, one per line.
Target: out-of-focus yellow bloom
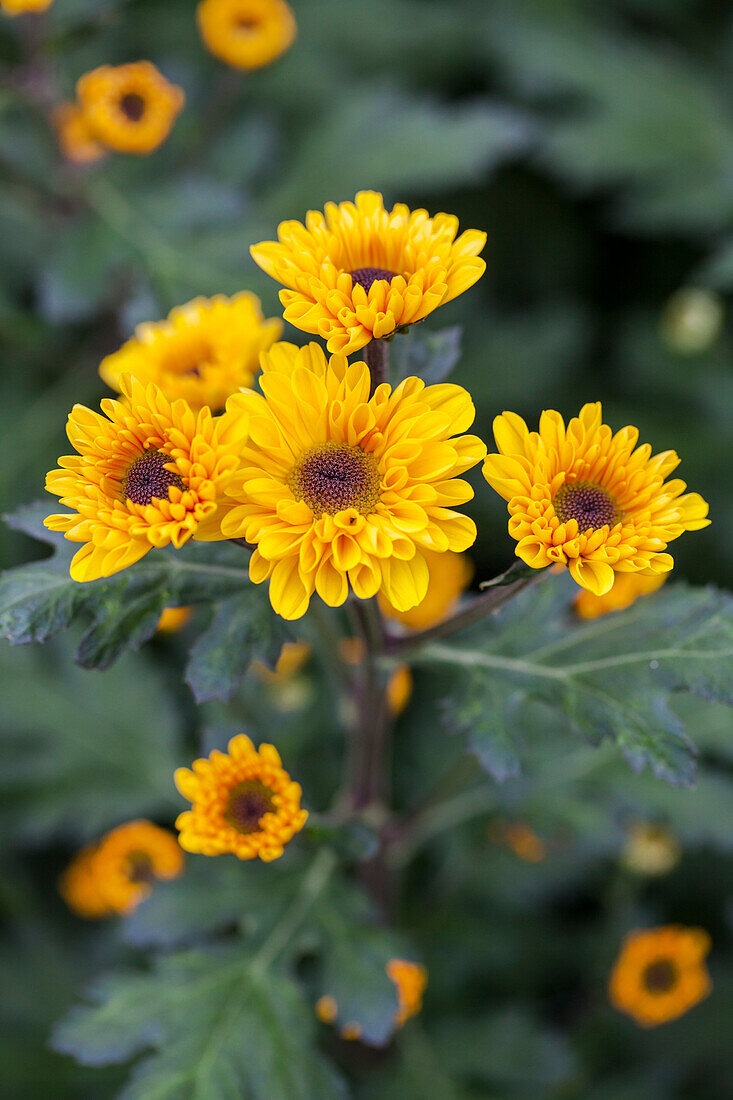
75, 138
148, 473
450, 576
359, 272
692, 320
650, 849
399, 690
410, 979
204, 351
583, 497
115, 875
660, 974
130, 108
293, 656
341, 489
20, 7
246, 34
627, 588
351, 651
173, 619
243, 802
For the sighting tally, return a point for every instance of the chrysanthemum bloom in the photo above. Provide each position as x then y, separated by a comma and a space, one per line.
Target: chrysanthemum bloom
173, 619
130, 108
340, 488
583, 497
75, 138
246, 34
523, 841
660, 973
115, 875
19, 7
360, 272
205, 350
450, 576
650, 849
626, 590
80, 889
293, 656
243, 802
147, 474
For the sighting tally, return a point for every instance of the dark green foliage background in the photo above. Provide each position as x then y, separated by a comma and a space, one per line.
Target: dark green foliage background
594, 142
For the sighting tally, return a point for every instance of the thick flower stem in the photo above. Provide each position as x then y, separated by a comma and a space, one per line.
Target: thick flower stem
376, 357
477, 609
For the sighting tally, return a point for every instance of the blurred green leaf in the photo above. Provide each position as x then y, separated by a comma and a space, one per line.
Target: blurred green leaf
40, 599
220, 1026
243, 629
612, 677
429, 355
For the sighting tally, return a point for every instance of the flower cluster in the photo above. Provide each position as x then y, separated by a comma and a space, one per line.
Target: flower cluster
116, 873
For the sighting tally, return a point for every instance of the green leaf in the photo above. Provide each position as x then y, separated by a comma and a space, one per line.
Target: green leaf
82, 752
612, 677
480, 712
243, 628
220, 1027
40, 599
354, 974
430, 355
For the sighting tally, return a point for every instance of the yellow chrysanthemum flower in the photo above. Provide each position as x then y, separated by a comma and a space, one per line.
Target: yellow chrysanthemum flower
410, 979
338, 488
75, 138
293, 656
246, 34
130, 108
360, 272
173, 619
450, 576
521, 839
205, 350
660, 974
583, 497
148, 473
398, 691
650, 849
626, 590
243, 802
20, 7
115, 875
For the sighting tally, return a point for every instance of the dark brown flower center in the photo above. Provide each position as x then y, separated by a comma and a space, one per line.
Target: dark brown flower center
140, 867
132, 106
247, 804
660, 976
335, 476
589, 505
365, 276
147, 477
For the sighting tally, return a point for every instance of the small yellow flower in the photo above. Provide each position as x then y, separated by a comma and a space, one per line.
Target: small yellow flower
75, 138
450, 576
338, 488
583, 497
660, 974
410, 979
524, 842
147, 474
173, 619
130, 108
246, 34
692, 320
399, 690
326, 1009
293, 656
361, 272
19, 7
115, 875
243, 802
626, 590
205, 350
650, 849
